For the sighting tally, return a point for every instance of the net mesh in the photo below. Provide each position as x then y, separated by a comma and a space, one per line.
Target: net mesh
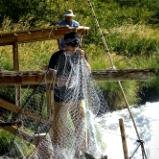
76, 101
68, 129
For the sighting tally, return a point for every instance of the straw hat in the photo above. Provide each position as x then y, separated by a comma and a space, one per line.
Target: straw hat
69, 13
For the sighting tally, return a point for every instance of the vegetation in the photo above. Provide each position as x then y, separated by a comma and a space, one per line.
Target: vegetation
130, 28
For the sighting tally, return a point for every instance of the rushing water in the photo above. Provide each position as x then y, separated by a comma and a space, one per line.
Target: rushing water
147, 121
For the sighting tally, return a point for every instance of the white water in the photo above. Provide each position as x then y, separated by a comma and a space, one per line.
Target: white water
147, 120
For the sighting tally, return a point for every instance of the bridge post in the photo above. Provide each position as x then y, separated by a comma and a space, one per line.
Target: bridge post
16, 68
50, 103
123, 137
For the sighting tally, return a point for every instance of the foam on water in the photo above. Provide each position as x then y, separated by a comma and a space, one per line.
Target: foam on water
147, 120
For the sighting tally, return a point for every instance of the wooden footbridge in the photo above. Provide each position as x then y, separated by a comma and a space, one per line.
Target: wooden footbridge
20, 79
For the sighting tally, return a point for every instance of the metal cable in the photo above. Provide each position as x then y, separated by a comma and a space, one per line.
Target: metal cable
113, 66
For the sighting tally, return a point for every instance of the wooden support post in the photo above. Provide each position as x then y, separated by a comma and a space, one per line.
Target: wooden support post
16, 68
123, 137
50, 97
50, 103
14, 108
15, 57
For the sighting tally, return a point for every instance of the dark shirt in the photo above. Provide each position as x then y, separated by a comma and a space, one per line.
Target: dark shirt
59, 62
53, 63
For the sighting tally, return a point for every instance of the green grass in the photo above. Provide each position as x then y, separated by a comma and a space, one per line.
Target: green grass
130, 30
131, 46
7, 139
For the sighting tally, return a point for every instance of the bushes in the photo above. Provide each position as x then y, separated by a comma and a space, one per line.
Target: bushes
5, 140
114, 95
134, 45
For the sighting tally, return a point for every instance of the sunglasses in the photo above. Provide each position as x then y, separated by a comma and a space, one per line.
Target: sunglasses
73, 44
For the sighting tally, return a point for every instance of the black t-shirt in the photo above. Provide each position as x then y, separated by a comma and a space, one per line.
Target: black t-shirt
58, 62
54, 59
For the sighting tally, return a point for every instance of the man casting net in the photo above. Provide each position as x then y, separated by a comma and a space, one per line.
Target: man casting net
76, 102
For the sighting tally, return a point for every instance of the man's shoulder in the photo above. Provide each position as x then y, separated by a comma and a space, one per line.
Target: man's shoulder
75, 22
57, 53
62, 22
54, 59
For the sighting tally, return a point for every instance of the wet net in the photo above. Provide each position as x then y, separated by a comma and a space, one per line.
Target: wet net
77, 100
67, 130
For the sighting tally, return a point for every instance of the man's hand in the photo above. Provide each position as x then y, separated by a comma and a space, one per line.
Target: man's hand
82, 53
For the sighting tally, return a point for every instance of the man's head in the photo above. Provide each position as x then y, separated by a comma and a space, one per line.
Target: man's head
72, 40
69, 15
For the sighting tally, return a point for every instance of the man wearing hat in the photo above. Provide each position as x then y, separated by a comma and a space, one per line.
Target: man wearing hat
68, 21
68, 91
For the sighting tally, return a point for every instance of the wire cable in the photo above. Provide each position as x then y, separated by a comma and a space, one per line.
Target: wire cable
113, 67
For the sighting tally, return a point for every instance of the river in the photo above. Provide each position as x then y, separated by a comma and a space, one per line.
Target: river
147, 121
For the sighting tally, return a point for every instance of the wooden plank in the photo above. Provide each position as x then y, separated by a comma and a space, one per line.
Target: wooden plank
40, 77
15, 131
125, 74
16, 109
6, 124
38, 35
50, 103
35, 139
26, 78
16, 68
15, 57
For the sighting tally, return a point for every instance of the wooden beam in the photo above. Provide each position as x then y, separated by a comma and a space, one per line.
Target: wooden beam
26, 78
40, 77
125, 74
16, 68
123, 137
15, 57
16, 109
17, 132
6, 124
50, 103
38, 35
27, 137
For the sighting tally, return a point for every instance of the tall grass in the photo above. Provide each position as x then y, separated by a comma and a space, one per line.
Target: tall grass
133, 43
131, 46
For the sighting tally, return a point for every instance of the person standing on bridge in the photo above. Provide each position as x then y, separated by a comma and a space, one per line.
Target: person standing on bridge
69, 104
68, 21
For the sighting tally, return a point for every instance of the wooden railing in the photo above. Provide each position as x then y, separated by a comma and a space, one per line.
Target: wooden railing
39, 34
14, 38
11, 78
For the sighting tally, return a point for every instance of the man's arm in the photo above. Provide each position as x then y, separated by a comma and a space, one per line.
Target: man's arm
83, 55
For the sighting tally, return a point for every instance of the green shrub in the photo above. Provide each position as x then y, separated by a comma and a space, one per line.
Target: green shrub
114, 95
5, 141
133, 44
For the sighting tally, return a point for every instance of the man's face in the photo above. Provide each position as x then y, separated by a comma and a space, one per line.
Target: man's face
68, 18
70, 49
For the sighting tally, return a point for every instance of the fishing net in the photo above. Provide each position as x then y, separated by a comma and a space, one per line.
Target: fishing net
68, 129
26, 125
77, 100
